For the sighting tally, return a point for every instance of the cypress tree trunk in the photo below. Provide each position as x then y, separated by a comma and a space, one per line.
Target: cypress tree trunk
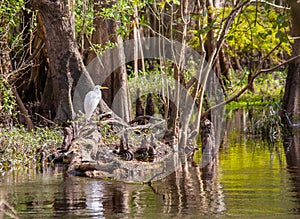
291, 100
112, 71
65, 61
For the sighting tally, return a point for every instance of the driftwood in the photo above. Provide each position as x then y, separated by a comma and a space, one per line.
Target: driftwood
87, 154
147, 159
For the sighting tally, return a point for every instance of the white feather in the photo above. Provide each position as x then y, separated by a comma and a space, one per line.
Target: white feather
91, 101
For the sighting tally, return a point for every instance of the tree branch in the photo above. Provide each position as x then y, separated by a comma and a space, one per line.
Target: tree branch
23, 110
279, 65
248, 85
273, 5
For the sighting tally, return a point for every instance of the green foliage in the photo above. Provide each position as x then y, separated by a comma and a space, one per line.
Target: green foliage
84, 15
122, 11
268, 88
12, 26
149, 82
9, 11
107, 133
256, 31
100, 48
7, 101
22, 148
162, 3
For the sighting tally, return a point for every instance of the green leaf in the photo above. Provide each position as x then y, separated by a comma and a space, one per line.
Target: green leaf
116, 15
280, 19
230, 37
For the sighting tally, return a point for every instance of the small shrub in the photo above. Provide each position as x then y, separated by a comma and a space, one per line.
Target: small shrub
20, 147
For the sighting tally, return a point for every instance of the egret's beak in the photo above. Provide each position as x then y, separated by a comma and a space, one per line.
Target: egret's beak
103, 88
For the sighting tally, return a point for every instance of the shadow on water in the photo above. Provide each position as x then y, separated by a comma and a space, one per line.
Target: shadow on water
248, 178
291, 144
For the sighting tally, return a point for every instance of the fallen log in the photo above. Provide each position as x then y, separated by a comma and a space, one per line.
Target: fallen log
89, 155
130, 156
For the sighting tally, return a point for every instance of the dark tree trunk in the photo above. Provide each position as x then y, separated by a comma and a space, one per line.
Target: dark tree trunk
139, 107
150, 105
66, 65
291, 100
105, 31
292, 152
292, 149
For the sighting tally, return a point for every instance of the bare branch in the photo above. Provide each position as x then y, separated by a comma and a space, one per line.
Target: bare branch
267, 56
279, 65
45, 119
27, 62
272, 4
248, 85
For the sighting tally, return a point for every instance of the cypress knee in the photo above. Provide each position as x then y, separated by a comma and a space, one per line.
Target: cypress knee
150, 105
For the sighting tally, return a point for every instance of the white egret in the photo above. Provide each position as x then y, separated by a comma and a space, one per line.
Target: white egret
91, 101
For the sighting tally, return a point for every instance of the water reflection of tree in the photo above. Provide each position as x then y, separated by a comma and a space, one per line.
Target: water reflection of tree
116, 201
85, 196
292, 152
70, 197
191, 190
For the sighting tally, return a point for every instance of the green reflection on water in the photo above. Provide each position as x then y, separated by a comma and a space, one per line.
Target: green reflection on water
250, 179
255, 179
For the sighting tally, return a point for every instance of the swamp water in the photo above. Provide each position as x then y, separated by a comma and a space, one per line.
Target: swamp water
250, 179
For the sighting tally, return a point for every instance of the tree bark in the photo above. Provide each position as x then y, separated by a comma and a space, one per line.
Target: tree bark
66, 65
291, 100
117, 97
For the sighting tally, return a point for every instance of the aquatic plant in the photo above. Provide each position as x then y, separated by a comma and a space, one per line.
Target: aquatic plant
268, 123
